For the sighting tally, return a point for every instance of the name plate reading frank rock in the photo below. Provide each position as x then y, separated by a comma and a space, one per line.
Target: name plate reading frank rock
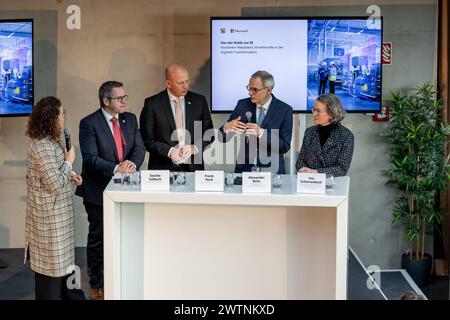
209, 180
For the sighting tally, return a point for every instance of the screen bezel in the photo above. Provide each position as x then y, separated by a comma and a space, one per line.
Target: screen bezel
295, 18
32, 67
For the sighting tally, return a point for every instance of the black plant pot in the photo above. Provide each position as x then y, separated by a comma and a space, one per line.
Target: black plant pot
419, 270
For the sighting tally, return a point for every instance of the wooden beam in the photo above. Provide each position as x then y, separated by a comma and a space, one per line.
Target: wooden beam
443, 72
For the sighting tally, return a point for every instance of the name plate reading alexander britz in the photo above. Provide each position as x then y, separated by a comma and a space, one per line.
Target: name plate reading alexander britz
209, 181
256, 182
311, 182
155, 180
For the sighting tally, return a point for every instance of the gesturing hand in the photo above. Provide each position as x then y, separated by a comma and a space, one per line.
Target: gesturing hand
235, 125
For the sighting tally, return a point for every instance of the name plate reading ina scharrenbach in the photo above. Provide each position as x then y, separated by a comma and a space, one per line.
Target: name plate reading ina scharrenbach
311, 182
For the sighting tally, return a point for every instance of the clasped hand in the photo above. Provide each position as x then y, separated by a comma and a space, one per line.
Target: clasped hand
180, 155
126, 166
307, 170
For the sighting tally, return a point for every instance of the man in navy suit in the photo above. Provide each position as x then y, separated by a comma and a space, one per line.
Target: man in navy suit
110, 142
173, 124
264, 125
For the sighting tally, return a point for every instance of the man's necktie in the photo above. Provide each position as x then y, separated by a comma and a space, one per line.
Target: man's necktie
179, 122
261, 117
118, 138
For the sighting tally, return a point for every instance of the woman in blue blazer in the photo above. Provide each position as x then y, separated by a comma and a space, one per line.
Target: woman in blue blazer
328, 146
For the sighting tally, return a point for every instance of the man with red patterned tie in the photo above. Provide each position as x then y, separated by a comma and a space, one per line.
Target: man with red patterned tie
110, 142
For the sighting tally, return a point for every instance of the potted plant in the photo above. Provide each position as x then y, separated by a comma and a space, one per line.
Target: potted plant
419, 170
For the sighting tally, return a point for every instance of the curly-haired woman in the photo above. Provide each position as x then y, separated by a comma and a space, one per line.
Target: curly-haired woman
49, 227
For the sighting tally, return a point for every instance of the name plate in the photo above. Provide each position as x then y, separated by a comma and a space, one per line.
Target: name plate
155, 180
311, 182
256, 182
209, 180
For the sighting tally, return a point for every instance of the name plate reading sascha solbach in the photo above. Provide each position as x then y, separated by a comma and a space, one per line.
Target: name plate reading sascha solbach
155, 180
256, 182
311, 182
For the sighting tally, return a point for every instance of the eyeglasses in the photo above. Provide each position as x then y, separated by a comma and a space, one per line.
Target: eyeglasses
121, 99
313, 110
254, 90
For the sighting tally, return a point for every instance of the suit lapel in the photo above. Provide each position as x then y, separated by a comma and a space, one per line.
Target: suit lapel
167, 109
316, 145
188, 110
125, 128
106, 132
331, 139
272, 111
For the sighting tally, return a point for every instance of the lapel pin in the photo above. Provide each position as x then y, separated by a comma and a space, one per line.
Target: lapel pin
188, 102
123, 120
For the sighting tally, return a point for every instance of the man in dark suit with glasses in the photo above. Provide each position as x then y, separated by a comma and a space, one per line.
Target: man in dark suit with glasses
266, 124
110, 142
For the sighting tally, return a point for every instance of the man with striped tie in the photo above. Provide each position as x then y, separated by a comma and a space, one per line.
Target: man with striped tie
266, 124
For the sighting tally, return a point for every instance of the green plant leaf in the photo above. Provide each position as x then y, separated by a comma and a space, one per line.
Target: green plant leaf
420, 165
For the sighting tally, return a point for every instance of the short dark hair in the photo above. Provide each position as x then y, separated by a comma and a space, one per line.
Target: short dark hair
106, 88
43, 119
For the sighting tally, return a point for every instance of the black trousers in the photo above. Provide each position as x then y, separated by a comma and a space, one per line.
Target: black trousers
332, 87
322, 85
95, 244
55, 288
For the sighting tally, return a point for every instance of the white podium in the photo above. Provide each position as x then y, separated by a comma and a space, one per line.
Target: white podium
188, 245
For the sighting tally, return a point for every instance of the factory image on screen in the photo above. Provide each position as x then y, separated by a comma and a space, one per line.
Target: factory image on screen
345, 54
16, 63
306, 56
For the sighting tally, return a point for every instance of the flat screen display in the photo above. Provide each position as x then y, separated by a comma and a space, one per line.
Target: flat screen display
16, 67
306, 56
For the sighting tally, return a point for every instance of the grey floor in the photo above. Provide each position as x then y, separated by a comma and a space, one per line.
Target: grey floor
17, 280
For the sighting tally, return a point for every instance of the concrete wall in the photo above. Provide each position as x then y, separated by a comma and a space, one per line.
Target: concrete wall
132, 41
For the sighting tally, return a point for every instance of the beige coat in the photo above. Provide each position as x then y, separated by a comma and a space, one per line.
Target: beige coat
49, 226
